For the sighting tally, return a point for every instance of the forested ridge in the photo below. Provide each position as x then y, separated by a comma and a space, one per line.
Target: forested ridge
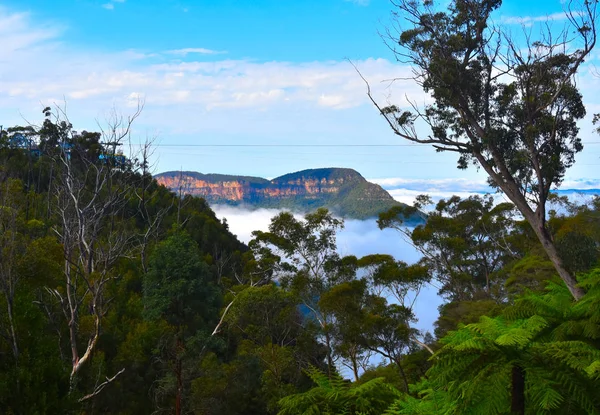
119, 296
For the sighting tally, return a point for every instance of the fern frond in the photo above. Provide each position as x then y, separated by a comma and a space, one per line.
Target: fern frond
593, 370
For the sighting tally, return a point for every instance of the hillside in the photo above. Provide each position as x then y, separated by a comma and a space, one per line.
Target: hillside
343, 191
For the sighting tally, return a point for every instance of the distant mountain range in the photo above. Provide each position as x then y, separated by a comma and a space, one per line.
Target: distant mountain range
343, 191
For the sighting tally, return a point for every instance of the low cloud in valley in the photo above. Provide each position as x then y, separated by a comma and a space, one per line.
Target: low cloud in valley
358, 238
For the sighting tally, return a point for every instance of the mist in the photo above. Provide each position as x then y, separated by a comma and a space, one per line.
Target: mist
359, 238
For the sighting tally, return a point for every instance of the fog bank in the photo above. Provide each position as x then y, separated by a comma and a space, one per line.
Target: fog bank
359, 238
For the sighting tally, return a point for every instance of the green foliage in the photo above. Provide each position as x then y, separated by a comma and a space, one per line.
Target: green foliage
463, 312
179, 289
312, 265
179, 285
465, 243
453, 53
228, 388
552, 341
266, 314
34, 254
424, 400
521, 127
335, 396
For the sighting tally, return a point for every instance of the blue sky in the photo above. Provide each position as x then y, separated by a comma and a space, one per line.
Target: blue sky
235, 72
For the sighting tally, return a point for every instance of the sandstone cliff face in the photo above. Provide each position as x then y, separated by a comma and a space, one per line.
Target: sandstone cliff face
343, 191
227, 190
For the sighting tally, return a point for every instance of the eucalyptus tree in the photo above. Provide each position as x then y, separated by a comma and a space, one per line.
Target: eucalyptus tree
347, 302
311, 266
465, 243
509, 105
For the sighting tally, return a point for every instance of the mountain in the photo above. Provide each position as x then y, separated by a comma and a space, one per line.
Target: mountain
343, 191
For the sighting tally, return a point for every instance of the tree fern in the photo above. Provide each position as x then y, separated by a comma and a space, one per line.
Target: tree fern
336, 396
546, 339
429, 401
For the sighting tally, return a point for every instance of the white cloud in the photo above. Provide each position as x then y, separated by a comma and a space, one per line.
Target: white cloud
273, 95
468, 185
87, 93
209, 97
359, 2
19, 34
580, 184
406, 190
111, 4
333, 101
457, 184
202, 51
530, 20
87, 75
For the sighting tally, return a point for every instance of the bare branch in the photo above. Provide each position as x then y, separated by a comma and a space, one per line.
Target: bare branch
101, 386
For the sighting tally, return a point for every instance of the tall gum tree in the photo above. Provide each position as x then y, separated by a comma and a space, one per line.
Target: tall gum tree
311, 266
506, 104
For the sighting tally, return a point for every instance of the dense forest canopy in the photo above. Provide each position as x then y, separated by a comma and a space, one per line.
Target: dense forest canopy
118, 296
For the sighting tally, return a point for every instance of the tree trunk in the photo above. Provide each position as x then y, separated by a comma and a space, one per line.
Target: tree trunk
518, 391
404, 378
329, 358
355, 368
179, 376
548, 245
538, 223
13, 333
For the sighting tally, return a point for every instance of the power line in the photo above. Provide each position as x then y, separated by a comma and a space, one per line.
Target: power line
302, 145
286, 145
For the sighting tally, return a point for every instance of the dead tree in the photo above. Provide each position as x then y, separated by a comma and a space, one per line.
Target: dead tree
90, 197
144, 195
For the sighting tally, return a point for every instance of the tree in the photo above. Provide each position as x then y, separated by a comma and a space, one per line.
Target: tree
539, 356
179, 289
506, 105
312, 266
387, 332
465, 242
270, 326
347, 302
333, 395
12, 246
90, 200
72, 283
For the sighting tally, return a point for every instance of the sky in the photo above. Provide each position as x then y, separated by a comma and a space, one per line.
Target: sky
261, 87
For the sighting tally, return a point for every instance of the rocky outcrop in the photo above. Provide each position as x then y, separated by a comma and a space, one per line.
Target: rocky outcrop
344, 191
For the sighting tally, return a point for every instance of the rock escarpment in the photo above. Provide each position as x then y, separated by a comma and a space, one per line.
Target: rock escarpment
343, 191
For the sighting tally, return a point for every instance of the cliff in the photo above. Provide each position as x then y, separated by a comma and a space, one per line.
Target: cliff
343, 191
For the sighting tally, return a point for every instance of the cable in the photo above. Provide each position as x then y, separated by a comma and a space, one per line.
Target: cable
301, 145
